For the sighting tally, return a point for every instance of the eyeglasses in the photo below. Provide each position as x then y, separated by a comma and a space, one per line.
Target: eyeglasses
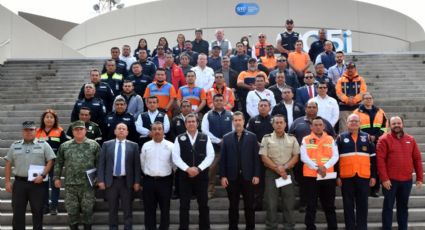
261, 36
309, 77
281, 60
367, 98
322, 87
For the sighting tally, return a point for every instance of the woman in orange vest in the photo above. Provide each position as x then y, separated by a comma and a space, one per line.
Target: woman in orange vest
319, 155
357, 172
52, 133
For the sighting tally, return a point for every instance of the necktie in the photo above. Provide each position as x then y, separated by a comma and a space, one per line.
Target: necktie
310, 91
118, 163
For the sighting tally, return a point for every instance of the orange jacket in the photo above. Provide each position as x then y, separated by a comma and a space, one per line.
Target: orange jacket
258, 47
229, 97
319, 150
354, 87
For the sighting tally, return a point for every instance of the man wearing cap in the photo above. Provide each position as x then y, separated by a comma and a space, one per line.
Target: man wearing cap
200, 45
77, 156
285, 42
223, 43
21, 155
349, 89
120, 115
214, 60
93, 129
246, 82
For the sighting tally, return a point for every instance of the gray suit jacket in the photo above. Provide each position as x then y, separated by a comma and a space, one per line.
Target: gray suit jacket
105, 166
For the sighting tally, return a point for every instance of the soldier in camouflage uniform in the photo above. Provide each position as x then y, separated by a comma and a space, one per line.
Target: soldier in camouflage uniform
77, 155
93, 129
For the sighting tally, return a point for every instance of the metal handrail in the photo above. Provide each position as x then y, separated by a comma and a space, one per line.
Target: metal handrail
5, 42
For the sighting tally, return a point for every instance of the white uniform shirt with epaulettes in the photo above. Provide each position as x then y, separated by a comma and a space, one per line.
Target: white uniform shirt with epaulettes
279, 149
22, 155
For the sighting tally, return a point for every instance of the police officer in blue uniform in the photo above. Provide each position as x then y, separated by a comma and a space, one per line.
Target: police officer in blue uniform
103, 90
96, 106
285, 42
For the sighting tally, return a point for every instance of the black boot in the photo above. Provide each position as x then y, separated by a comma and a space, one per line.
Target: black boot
87, 226
73, 227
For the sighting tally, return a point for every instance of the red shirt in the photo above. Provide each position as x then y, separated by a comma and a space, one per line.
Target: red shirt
397, 157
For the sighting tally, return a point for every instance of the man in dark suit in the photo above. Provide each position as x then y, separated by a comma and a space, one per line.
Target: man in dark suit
308, 91
278, 87
288, 107
119, 173
240, 170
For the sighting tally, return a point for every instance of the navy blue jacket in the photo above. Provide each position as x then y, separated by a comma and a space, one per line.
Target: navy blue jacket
250, 159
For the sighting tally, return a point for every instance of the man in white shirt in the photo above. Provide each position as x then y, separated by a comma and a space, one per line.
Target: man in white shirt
193, 153
256, 95
157, 166
127, 57
204, 74
328, 106
146, 119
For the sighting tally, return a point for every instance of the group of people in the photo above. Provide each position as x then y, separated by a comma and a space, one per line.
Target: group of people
163, 125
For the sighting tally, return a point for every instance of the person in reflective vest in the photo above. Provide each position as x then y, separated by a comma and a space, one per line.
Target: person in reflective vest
373, 121
319, 154
357, 172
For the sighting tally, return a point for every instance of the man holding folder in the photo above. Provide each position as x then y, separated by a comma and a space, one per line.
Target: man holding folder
279, 152
319, 154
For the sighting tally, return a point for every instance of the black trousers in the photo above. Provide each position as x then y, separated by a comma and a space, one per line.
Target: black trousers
234, 190
325, 190
116, 193
355, 193
23, 192
157, 191
199, 187
299, 178
259, 190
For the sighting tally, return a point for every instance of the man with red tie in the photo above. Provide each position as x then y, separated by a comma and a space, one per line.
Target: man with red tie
308, 91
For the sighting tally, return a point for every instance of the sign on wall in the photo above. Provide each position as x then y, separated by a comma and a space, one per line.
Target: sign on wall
244, 9
340, 38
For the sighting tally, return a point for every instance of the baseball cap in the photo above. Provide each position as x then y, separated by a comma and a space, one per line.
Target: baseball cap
28, 125
78, 124
351, 65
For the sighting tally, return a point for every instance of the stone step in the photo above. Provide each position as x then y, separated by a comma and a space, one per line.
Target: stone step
37, 106
216, 217
46, 96
35, 100
32, 113
408, 115
258, 226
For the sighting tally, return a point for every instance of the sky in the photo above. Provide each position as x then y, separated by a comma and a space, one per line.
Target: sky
67, 9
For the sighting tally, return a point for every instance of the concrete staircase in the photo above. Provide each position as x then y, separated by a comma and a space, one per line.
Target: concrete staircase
29, 87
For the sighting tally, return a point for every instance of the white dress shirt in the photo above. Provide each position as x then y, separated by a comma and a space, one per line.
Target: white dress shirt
289, 112
252, 101
178, 161
156, 158
144, 132
128, 60
204, 77
313, 165
117, 142
205, 127
328, 108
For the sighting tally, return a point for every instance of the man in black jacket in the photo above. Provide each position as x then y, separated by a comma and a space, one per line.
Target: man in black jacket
240, 170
